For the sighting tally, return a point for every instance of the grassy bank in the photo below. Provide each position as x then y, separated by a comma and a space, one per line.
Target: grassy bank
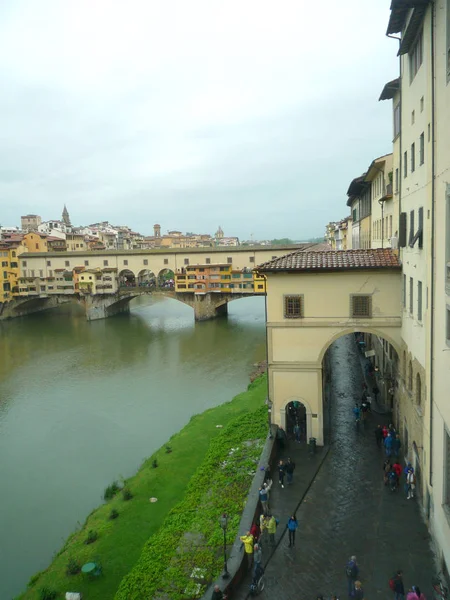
121, 541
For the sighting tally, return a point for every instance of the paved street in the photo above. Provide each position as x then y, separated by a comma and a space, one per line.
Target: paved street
347, 510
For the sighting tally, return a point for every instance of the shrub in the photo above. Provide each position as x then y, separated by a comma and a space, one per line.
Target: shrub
154, 463
126, 493
111, 490
168, 449
73, 567
92, 537
47, 594
113, 514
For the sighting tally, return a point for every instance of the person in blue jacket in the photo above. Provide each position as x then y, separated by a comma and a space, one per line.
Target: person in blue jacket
292, 526
388, 442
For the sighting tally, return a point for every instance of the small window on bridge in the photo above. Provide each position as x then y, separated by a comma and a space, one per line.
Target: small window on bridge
105, 263
208, 261
186, 261
145, 261
251, 259
67, 263
166, 261
86, 263
361, 306
293, 307
125, 262
229, 260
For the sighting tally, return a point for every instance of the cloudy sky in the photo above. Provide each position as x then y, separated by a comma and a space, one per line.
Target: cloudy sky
249, 114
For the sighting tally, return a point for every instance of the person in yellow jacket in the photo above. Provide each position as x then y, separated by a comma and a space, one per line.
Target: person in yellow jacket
247, 540
272, 529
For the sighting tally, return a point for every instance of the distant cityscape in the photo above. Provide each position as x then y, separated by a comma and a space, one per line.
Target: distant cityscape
59, 235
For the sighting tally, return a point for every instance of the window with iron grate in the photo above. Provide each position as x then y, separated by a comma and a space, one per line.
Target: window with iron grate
293, 307
361, 306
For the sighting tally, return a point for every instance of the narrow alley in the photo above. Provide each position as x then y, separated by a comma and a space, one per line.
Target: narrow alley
346, 511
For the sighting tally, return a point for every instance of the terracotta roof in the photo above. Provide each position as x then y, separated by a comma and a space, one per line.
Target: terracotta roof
334, 260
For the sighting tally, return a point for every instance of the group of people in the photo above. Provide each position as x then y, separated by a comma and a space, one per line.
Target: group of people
386, 437
356, 591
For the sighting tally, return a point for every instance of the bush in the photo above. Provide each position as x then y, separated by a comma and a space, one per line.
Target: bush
47, 594
168, 449
73, 567
113, 514
154, 464
126, 493
92, 537
111, 490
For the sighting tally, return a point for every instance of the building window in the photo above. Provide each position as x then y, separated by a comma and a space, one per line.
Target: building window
390, 226
405, 163
397, 120
447, 468
421, 104
49, 263
166, 261
422, 148
105, 263
419, 300
396, 180
293, 307
416, 56
229, 260
410, 377
411, 295
24, 263
251, 259
418, 389
413, 158
413, 117
208, 261
429, 132
404, 292
361, 306
41, 273
186, 261
448, 325
125, 262
145, 261
67, 263
411, 228
32, 273
86, 263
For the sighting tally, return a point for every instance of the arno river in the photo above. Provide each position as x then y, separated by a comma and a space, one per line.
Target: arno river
82, 404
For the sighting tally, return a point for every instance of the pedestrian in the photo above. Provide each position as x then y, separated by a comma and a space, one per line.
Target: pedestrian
264, 498
297, 432
375, 392
397, 467
272, 529
386, 470
379, 435
388, 441
255, 531
356, 413
352, 572
281, 438
410, 484
396, 585
292, 526
396, 445
281, 472
289, 468
257, 553
263, 523
415, 594
247, 540
218, 594
385, 431
358, 594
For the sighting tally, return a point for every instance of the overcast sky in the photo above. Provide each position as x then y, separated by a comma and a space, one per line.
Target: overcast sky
249, 114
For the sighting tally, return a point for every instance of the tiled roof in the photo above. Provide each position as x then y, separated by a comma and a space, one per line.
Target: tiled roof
334, 260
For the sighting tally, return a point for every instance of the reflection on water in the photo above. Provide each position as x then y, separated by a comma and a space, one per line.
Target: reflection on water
83, 403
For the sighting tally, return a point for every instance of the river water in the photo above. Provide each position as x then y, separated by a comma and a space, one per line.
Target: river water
82, 404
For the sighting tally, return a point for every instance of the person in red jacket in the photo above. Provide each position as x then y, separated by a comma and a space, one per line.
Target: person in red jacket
385, 431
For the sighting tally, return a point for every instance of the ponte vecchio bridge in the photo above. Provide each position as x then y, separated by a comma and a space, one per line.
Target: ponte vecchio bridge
104, 282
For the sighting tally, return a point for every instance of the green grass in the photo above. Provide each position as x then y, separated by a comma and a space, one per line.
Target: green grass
121, 540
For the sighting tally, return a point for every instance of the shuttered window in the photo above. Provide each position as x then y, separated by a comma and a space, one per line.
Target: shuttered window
293, 307
447, 468
361, 306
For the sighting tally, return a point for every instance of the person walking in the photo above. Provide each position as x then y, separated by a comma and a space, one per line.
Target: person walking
396, 445
297, 432
289, 468
218, 594
397, 586
264, 496
379, 436
410, 484
388, 441
352, 572
281, 472
356, 413
263, 524
292, 526
255, 531
272, 529
358, 594
415, 594
257, 554
247, 540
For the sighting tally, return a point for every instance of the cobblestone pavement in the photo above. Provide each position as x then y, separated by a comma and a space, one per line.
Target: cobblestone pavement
347, 510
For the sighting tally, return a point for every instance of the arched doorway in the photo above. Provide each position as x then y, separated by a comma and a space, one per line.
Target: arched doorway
127, 278
166, 279
146, 278
296, 416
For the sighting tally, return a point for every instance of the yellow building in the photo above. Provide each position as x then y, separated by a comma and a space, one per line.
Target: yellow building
205, 278
35, 242
9, 274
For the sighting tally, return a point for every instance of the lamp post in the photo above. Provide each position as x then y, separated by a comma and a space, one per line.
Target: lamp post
224, 524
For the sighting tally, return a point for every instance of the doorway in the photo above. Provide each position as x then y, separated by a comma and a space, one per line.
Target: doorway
296, 415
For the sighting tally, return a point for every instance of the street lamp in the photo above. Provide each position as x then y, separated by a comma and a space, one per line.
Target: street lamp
224, 524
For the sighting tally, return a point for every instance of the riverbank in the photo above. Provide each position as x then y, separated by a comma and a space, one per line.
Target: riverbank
121, 540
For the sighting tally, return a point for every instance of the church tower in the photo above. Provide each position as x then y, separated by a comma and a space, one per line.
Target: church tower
65, 217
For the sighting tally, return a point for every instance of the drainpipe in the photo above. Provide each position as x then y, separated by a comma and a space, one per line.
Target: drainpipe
433, 243
381, 203
400, 167
269, 402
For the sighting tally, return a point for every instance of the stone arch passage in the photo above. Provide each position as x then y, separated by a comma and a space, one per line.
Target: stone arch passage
146, 278
127, 278
166, 279
296, 414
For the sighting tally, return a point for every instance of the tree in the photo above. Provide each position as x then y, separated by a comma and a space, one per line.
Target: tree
282, 242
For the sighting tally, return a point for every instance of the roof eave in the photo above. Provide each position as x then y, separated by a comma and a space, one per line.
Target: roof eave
329, 269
